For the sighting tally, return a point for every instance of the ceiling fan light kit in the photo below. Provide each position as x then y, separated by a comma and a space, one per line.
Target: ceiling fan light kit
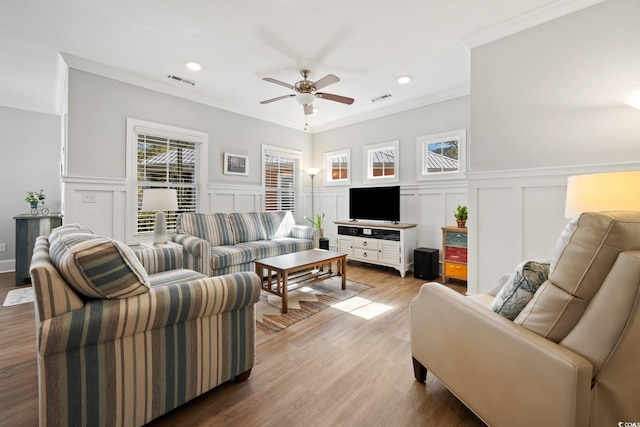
306, 91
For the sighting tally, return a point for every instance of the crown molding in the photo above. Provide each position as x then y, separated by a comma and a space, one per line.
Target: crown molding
525, 21
103, 70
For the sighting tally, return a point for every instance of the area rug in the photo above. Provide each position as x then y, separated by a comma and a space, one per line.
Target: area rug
303, 303
18, 296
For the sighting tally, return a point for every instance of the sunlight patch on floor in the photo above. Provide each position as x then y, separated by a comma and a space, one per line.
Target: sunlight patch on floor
362, 307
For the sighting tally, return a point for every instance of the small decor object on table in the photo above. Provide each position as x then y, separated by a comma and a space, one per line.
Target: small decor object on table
35, 198
461, 216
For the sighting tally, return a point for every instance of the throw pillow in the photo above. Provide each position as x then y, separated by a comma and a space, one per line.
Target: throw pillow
519, 289
99, 267
277, 224
247, 227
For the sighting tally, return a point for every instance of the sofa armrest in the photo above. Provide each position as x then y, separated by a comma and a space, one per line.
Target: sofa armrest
160, 258
196, 252
503, 372
306, 232
107, 320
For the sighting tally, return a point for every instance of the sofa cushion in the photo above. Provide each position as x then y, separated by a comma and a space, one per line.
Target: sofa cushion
277, 224
178, 275
520, 288
213, 227
225, 256
275, 247
247, 227
584, 254
98, 267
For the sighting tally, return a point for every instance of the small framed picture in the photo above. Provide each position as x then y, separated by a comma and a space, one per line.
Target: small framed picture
236, 164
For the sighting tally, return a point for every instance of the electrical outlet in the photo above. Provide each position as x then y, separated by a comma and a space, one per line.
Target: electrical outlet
89, 197
3, 247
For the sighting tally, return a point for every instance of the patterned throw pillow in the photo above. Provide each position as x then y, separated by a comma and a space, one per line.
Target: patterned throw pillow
98, 267
519, 289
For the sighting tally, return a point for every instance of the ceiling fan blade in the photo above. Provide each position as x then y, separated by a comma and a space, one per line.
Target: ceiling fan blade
308, 109
327, 80
332, 97
278, 82
268, 101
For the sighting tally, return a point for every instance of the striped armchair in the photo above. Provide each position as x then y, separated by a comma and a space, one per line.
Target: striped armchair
142, 349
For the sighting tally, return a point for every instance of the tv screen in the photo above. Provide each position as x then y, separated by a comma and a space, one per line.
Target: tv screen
375, 203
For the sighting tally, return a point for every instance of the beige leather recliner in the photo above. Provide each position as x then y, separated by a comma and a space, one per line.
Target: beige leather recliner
572, 355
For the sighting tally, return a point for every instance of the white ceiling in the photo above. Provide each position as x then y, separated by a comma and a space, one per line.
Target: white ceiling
367, 43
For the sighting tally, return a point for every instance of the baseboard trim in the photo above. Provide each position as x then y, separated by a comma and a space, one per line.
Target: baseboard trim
7, 266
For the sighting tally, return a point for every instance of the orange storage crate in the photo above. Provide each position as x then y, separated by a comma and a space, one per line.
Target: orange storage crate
458, 271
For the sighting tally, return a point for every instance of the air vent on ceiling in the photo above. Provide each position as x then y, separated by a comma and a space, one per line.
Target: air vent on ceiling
180, 79
381, 97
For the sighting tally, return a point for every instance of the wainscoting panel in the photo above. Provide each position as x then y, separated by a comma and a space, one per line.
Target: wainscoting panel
543, 220
236, 198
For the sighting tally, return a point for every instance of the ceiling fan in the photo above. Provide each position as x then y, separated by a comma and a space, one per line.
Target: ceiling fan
306, 91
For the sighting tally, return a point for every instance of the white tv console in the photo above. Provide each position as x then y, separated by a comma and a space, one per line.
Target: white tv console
383, 244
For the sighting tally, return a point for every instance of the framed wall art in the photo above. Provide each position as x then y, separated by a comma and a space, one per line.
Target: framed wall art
236, 164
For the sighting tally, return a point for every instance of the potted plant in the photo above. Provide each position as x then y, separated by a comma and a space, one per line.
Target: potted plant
461, 216
34, 197
317, 223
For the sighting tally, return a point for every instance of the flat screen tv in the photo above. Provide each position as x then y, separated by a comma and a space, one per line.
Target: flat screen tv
375, 203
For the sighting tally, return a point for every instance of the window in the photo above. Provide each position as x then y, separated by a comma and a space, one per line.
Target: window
381, 162
338, 165
281, 179
163, 157
441, 155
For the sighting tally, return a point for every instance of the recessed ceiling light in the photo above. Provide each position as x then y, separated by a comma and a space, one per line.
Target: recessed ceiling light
194, 66
403, 80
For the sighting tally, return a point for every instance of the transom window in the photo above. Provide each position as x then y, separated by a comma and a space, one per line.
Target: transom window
337, 166
441, 154
381, 162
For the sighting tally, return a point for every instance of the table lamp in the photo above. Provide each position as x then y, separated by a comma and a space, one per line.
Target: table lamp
160, 200
599, 192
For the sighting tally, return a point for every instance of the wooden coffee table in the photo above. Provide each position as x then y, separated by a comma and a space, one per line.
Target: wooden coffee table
309, 266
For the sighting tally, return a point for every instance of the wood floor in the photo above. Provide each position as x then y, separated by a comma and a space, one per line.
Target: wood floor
332, 369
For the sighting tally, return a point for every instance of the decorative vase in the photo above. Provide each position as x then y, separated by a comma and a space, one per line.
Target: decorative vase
34, 204
461, 223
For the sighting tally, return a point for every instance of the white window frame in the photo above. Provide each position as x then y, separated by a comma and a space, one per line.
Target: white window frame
422, 142
135, 127
328, 156
368, 165
273, 150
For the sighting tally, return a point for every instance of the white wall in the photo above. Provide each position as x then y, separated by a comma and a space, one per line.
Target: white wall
96, 149
545, 106
30, 161
429, 204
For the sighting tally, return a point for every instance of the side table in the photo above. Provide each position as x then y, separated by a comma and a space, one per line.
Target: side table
28, 227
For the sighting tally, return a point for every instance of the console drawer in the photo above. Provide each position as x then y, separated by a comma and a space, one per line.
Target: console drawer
366, 254
364, 243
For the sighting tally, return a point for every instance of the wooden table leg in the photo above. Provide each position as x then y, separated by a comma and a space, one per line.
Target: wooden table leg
343, 271
285, 293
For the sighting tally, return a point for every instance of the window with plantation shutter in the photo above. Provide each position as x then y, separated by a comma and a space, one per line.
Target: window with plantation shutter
163, 157
281, 179
166, 163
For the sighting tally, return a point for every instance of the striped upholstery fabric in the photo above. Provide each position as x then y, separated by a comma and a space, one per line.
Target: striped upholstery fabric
269, 248
224, 256
98, 267
304, 232
195, 252
249, 266
160, 258
127, 361
213, 227
178, 275
247, 227
277, 224
53, 296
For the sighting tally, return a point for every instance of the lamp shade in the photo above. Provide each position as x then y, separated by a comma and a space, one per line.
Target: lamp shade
313, 171
612, 191
160, 199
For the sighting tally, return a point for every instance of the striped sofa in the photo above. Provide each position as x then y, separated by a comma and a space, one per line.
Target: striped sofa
219, 243
125, 336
